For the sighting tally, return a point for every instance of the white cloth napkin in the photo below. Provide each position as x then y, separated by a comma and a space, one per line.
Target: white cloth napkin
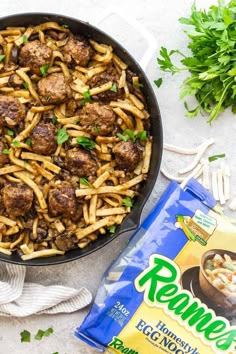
19, 298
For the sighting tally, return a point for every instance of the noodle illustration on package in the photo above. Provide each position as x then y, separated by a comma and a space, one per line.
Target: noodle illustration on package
173, 289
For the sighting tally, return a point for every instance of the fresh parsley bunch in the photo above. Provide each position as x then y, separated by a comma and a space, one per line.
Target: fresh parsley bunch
212, 65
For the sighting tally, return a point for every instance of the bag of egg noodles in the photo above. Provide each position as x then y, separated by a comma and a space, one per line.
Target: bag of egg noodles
173, 288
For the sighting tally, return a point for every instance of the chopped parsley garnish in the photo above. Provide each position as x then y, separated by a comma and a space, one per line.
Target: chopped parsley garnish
127, 202
10, 132
26, 85
86, 142
215, 157
158, 82
86, 97
112, 229
64, 26
114, 88
16, 143
122, 137
44, 70
130, 134
85, 182
55, 353
137, 84
54, 120
6, 151
40, 334
142, 135
96, 128
62, 136
25, 336
28, 141
25, 39
2, 56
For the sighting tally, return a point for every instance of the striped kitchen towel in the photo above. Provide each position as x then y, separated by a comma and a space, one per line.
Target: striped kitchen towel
19, 298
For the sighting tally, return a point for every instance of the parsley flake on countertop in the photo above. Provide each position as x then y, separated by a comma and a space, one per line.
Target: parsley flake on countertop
40, 334
211, 63
25, 336
216, 157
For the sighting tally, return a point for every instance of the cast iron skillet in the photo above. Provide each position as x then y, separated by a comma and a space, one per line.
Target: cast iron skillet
132, 221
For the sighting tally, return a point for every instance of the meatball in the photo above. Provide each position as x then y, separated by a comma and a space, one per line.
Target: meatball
17, 199
97, 119
12, 112
54, 89
3, 158
80, 162
112, 75
77, 51
127, 155
62, 201
35, 54
64, 242
43, 139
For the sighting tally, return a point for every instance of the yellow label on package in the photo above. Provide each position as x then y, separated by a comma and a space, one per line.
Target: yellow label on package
173, 289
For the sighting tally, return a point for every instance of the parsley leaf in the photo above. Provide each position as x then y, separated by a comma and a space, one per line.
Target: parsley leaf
112, 229
127, 202
142, 135
215, 157
158, 82
86, 142
54, 120
114, 88
40, 334
130, 134
137, 84
64, 26
96, 128
85, 182
2, 56
25, 336
122, 137
10, 132
26, 85
6, 151
16, 143
211, 64
28, 141
86, 97
44, 70
62, 136
25, 39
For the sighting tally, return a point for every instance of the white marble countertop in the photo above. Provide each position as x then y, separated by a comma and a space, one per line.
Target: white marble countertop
161, 18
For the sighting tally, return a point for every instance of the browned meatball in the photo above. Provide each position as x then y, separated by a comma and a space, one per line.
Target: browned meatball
62, 201
54, 89
112, 75
3, 157
77, 51
97, 119
80, 162
127, 155
12, 112
17, 199
35, 54
43, 139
